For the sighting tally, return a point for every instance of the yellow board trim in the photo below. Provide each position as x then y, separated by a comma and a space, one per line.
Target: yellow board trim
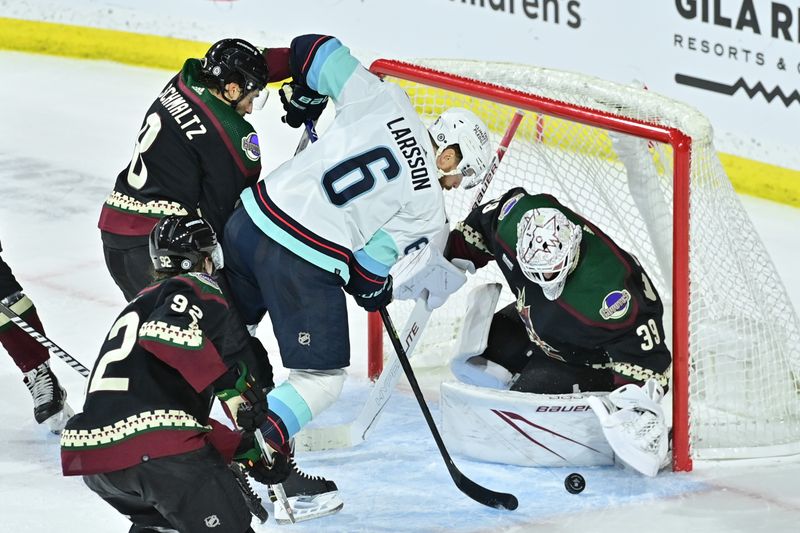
747, 176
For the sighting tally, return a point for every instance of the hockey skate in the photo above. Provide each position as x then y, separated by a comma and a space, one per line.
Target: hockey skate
49, 397
309, 497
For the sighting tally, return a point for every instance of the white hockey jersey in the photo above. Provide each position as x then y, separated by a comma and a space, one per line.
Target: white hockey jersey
367, 191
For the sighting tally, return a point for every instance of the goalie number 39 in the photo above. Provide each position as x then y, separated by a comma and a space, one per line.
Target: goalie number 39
649, 334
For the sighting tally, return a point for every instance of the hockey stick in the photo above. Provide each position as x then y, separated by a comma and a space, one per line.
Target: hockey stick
277, 489
355, 432
498, 156
490, 498
52, 347
251, 499
309, 134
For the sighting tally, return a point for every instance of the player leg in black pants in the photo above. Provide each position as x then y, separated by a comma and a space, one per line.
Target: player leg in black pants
193, 491
128, 261
33, 359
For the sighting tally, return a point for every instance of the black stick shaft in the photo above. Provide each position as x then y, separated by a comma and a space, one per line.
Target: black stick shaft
480, 494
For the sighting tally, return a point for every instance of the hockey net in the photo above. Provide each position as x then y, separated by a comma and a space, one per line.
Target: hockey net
643, 168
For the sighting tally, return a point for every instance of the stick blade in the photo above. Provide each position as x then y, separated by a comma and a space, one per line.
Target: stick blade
487, 497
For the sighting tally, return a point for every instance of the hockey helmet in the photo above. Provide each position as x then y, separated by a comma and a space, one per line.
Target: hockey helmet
548, 247
236, 61
178, 243
463, 127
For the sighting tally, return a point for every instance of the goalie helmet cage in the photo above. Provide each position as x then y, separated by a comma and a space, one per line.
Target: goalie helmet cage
643, 168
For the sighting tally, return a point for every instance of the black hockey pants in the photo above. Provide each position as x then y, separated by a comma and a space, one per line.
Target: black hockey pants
190, 492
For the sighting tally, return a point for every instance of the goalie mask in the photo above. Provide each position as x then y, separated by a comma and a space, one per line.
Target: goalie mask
464, 128
548, 246
179, 243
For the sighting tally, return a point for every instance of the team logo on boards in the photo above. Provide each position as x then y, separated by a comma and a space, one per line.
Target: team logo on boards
757, 27
251, 148
739, 85
615, 305
508, 206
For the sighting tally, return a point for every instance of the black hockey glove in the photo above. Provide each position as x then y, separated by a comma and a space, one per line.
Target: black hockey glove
380, 298
301, 104
269, 471
245, 400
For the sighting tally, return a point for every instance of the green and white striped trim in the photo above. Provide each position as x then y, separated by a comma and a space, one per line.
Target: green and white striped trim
123, 202
473, 237
163, 332
133, 425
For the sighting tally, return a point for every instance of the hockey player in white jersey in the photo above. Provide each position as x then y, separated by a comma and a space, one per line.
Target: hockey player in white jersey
338, 216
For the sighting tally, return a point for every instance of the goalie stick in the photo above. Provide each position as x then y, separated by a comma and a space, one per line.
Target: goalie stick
52, 347
355, 432
479, 493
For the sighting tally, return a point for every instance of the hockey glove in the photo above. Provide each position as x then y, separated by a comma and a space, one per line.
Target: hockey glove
380, 298
267, 470
246, 402
301, 104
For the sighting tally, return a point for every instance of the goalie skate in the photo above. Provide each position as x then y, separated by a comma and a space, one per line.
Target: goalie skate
309, 497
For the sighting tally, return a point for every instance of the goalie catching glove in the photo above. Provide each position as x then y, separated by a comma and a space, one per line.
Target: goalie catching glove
245, 401
269, 469
301, 104
428, 274
634, 426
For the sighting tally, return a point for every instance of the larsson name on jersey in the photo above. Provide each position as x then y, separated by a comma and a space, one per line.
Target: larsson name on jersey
412, 151
177, 106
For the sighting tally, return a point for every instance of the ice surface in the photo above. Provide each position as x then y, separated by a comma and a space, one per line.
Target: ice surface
68, 127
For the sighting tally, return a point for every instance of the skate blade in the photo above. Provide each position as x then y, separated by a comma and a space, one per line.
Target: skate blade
57, 422
309, 507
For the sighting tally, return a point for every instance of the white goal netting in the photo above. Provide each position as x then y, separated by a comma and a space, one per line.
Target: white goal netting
743, 335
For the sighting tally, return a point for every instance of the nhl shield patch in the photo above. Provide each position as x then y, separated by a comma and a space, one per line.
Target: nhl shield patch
615, 305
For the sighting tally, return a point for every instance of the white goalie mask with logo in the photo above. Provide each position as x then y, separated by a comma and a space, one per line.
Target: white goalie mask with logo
548, 246
464, 128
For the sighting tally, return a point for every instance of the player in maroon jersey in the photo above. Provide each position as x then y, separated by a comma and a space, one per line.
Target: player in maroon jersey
33, 359
145, 441
195, 152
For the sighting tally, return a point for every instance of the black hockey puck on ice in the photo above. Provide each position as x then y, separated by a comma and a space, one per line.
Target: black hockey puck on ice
574, 483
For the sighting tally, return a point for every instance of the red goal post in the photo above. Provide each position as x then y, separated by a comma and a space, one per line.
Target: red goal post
569, 145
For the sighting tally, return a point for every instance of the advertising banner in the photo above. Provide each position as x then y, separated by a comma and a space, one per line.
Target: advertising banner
737, 61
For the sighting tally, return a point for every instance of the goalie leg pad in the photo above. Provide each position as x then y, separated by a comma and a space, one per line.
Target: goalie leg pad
522, 429
467, 364
633, 423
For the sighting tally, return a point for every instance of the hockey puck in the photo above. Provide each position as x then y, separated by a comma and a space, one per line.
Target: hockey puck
574, 483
